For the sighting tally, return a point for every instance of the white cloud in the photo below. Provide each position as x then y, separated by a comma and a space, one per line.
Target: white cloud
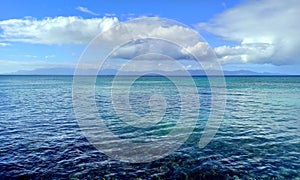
144, 46
58, 30
50, 56
145, 38
110, 14
156, 36
4, 44
266, 31
86, 10
76, 30
145, 35
30, 56
255, 52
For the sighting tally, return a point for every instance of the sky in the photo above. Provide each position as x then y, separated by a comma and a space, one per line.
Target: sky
256, 35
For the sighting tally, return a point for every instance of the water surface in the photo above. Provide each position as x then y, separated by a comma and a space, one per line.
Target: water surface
258, 138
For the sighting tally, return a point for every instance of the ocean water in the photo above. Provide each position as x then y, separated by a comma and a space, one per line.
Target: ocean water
259, 137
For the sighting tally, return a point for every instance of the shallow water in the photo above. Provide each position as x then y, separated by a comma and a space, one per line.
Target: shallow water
258, 138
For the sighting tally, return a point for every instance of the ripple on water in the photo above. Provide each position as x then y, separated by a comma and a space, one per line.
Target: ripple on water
258, 138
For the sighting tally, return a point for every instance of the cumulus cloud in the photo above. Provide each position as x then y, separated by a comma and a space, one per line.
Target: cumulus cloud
254, 52
86, 10
181, 40
58, 30
265, 31
171, 49
145, 46
155, 35
141, 36
147, 39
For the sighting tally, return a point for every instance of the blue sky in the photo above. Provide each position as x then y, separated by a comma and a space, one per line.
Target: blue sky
246, 35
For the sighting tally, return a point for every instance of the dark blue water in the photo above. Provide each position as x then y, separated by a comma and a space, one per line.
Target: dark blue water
259, 137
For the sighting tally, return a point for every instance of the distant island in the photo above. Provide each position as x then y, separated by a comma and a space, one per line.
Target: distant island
70, 71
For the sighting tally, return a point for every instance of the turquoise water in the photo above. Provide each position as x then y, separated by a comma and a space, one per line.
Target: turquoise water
258, 138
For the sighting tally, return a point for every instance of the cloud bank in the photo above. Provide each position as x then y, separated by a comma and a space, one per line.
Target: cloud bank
151, 42
265, 31
155, 35
54, 31
76, 30
142, 36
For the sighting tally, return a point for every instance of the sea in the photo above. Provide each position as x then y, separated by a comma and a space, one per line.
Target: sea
258, 136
